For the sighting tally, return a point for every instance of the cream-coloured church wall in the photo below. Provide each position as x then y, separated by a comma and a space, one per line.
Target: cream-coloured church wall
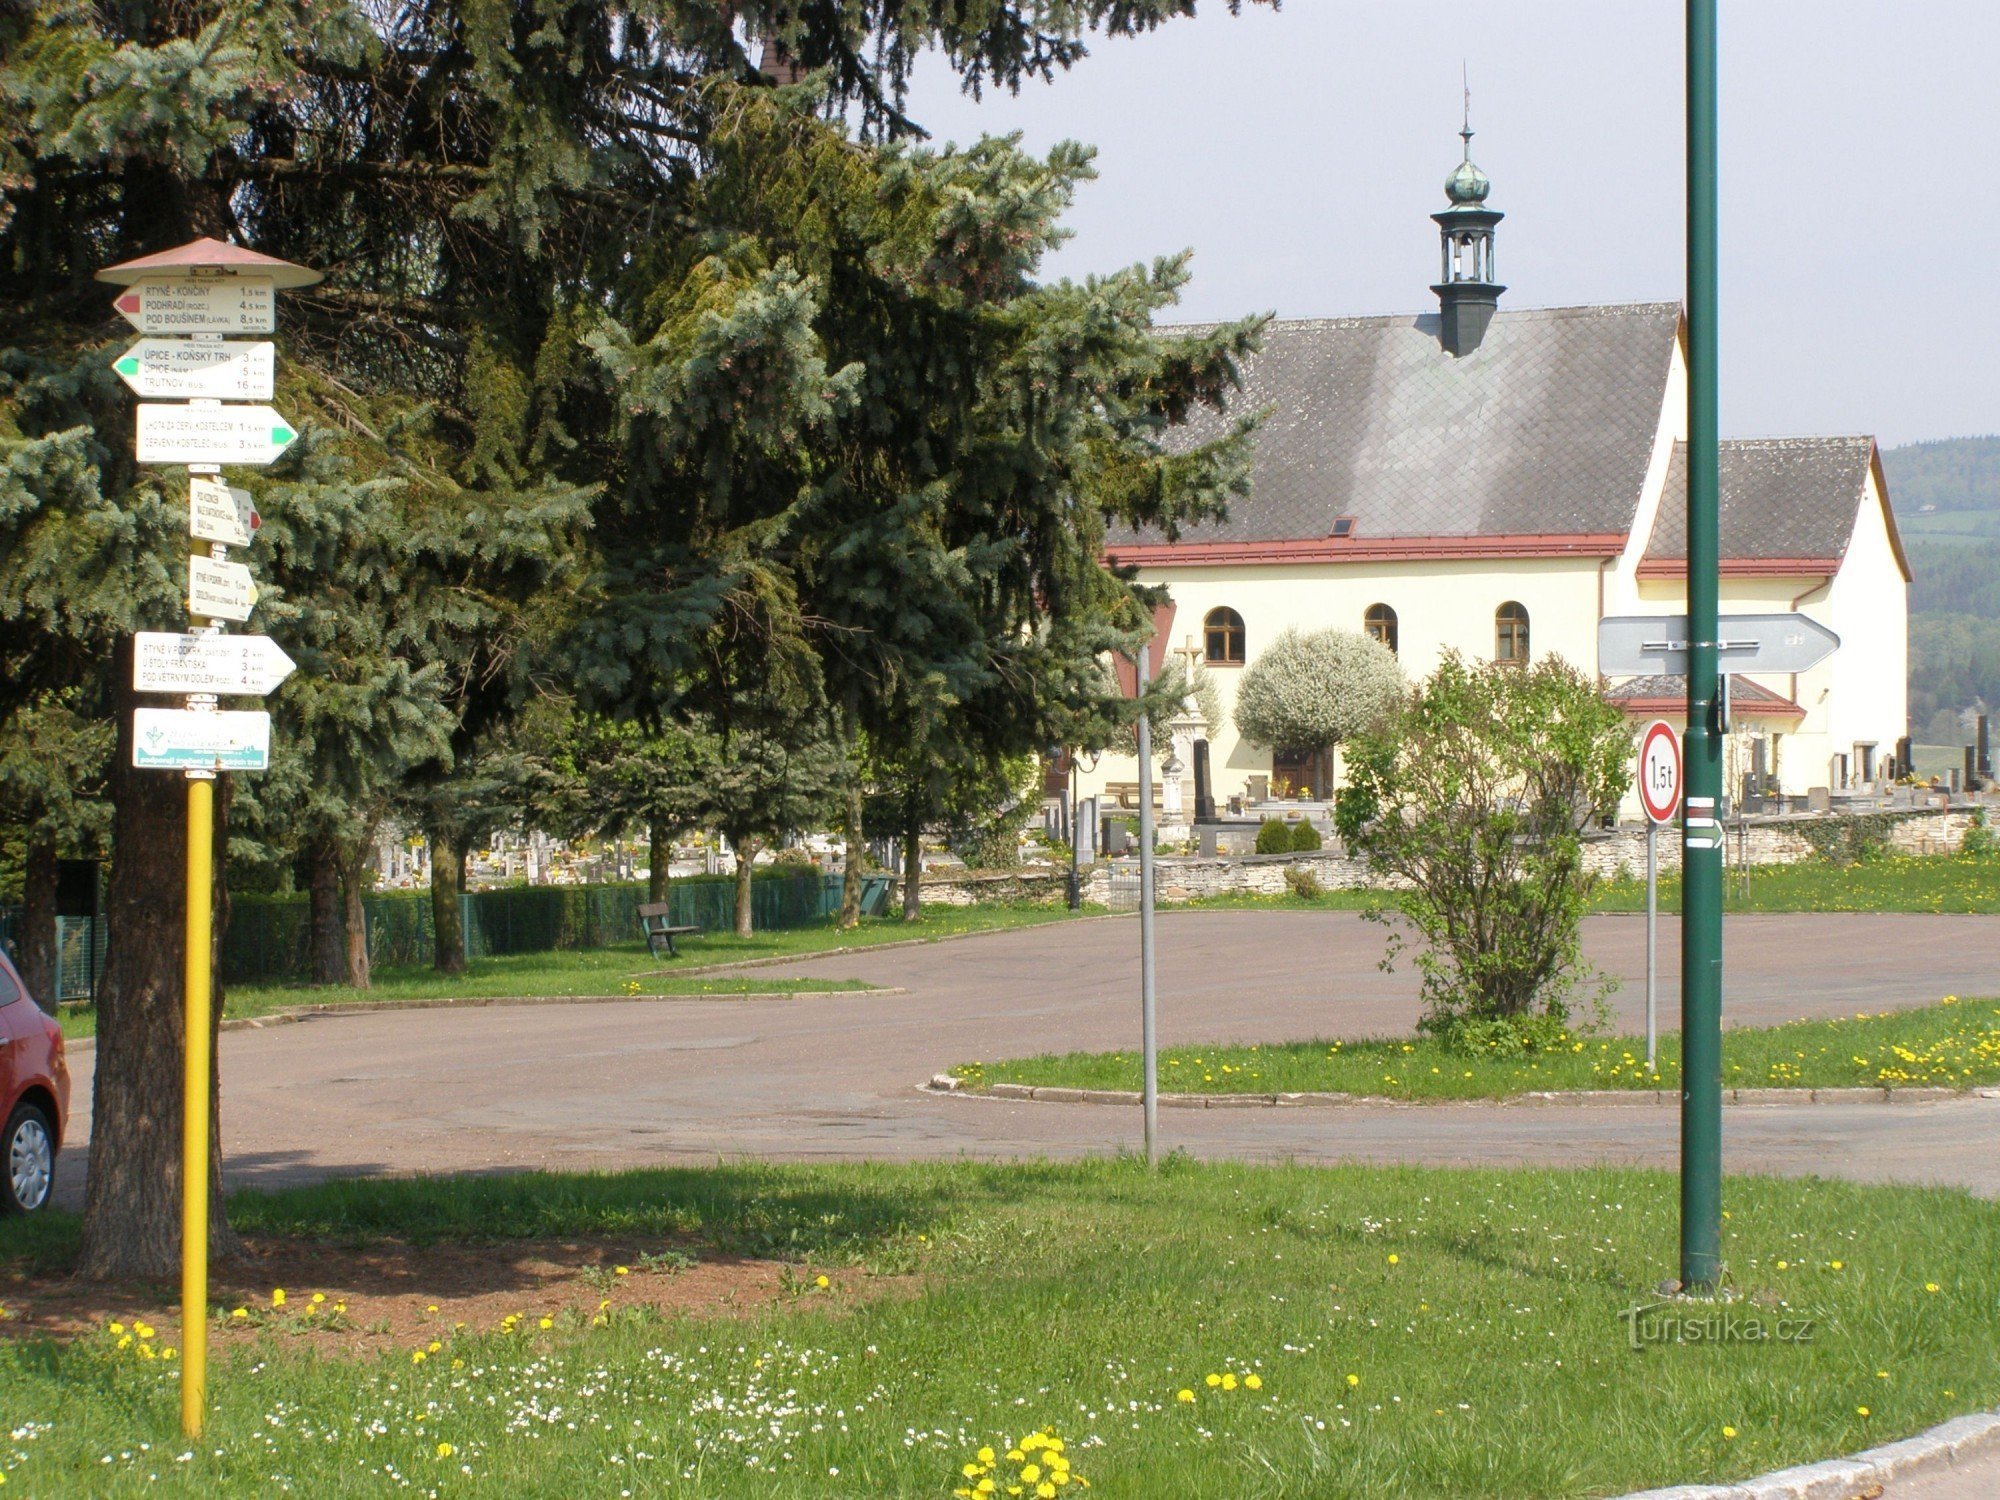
1623, 588
1439, 605
1869, 606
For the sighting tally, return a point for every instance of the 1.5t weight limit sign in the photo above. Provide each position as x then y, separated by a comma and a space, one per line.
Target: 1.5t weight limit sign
1660, 771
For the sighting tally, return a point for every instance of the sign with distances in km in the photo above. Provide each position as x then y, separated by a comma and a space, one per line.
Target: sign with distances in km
1660, 772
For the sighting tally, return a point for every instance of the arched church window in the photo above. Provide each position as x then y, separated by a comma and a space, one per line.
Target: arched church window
1380, 623
1222, 638
1510, 634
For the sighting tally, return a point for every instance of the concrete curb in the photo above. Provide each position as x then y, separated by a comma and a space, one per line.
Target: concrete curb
1960, 1441
944, 1083
473, 1002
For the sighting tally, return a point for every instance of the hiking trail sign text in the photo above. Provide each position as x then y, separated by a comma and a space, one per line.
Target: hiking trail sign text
199, 369
182, 304
219, 590
166, 662
170, 434
219, 513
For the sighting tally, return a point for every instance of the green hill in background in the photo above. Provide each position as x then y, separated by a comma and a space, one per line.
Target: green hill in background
1947, 500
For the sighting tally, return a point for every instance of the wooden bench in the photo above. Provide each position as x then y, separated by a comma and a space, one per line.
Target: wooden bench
655, 922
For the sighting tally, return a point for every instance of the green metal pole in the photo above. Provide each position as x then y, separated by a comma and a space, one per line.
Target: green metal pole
1701, 831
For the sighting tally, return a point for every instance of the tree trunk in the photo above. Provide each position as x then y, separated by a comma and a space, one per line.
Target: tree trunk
659, 858
746, 855
354, 915
35, 950
913, 871
850, 876
447, 926
326, 948
132, 1202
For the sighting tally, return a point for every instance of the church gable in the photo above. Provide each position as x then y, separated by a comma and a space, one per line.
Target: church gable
1787, 504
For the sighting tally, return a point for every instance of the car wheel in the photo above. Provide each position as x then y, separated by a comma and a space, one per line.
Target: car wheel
27, 1161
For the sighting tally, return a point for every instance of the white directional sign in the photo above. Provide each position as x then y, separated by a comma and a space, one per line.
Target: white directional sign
1654, 645
182, 304
219, 513
182, 739
165, 662
198, 369
211, 434
219, 590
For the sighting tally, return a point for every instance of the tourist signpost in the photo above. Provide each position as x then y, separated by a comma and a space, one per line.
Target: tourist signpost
1659, 778
198, 370
1657, 645
187, 300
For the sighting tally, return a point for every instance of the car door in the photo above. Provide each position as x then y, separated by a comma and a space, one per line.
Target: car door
14, 1008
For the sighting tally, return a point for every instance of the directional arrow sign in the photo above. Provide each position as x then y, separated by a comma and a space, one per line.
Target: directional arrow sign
219, 590
218, 513
176, 304
1651, 645
194, 369
181, 739
163, 662
211, 434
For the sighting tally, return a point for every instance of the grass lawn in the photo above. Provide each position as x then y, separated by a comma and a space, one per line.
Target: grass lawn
1898, 882
626, 968
1913, 883
1953, 1044
1205, 1330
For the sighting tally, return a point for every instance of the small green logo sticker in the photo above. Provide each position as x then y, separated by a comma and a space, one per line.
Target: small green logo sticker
282, 435
127, 366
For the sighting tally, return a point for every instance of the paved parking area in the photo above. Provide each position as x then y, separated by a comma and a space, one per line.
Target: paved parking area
623, 1084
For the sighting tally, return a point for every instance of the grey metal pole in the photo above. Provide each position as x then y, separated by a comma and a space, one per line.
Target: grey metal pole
1147, 1043
1652, 945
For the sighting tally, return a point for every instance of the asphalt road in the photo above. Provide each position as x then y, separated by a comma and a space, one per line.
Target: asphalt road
631, 1083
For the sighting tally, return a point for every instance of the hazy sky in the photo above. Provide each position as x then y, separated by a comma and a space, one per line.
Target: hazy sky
1300, 153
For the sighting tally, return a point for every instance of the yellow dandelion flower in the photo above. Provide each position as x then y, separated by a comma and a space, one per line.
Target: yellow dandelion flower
277, 1297
417, 1356
548, 1323
1729, 1432
1395, 1259
1353, 1380
1254, 1382
984, 1455
318, 1297
821, 1282
117, 1327
1211, 1380
435, 1346
1837, 1265
621, 1270
1861, 1411
241, 1312
1930, 1286
1184, 1395
1229, 1382
1030, 1473
445, 1450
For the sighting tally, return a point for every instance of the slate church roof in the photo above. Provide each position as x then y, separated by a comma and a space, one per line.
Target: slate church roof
1546, 429
1783, 500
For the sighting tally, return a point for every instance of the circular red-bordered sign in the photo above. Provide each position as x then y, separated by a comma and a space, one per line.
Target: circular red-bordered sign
1660, 771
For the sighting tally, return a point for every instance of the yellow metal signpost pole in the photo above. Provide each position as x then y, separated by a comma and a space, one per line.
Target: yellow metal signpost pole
202, 296
194, 1116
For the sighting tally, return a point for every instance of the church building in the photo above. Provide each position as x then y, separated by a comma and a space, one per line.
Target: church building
1496, 481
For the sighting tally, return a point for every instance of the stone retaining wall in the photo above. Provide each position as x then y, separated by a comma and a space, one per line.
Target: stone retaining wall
1757, 841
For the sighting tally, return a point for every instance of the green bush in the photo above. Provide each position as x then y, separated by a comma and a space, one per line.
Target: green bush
1303, 883
1305, 837
1275, 837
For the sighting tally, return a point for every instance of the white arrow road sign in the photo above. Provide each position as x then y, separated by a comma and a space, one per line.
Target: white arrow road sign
1701, 830
163, 662
181, 739
197, 369
218, 513
1652, 645
211, 434
219, 590
178, 304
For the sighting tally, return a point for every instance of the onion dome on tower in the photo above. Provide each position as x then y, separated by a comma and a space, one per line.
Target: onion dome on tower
1467, 292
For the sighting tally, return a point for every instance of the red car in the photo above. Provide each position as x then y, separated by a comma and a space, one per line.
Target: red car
34, 1096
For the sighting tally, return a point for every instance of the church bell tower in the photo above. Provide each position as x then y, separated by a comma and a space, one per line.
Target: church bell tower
1467, 291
